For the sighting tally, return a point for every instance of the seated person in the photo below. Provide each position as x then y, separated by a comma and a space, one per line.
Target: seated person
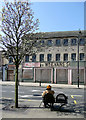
48, 90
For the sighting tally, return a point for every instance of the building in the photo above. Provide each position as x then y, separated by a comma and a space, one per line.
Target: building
0, 66
58, 62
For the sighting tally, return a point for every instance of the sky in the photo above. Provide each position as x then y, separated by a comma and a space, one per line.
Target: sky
59, 16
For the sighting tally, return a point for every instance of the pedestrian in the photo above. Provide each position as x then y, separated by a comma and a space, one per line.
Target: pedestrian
48, 90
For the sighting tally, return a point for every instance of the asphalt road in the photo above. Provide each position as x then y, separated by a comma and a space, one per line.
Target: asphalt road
76, 103
36, 92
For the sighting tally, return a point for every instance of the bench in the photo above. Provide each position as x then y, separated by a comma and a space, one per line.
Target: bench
49, 100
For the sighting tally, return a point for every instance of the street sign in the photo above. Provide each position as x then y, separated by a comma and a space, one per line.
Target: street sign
32, 64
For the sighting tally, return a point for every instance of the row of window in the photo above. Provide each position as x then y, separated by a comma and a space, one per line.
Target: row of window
65, 42
58, 57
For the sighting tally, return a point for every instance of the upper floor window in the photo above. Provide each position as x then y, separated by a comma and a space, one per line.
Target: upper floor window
42, 42
57, 57
73, 56
73, 41
65, 42
41, 57
58, 42
81, 56
82, 41
10, 59
49, 57
49, 42
27, 58
65, 57
34, 58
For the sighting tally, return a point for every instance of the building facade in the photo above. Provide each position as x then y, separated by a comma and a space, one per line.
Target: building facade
56, 63
0, 66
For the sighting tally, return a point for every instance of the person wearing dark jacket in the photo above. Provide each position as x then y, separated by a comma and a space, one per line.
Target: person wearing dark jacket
48, 90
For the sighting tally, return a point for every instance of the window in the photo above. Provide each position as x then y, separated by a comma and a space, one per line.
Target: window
41, 57
65, 57
42, 42
82, 41
73, 56
57, 57
65, 42
58, 42
73, 41
34, 58
49, 57
81, 56
10, 59
49, 42
27, 58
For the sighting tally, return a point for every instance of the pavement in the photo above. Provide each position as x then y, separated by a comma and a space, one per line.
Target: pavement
42, 84
29, 110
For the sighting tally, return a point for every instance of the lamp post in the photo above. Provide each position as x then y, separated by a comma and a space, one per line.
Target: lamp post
78, 56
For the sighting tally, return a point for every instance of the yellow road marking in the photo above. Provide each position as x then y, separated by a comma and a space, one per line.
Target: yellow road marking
29, 100
72, 96
75, 102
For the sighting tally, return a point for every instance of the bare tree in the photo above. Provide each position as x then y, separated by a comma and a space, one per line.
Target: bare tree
17, 22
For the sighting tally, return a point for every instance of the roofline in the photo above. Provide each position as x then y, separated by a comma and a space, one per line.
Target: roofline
59, 34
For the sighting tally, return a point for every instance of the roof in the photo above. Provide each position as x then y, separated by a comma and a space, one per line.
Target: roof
59, 34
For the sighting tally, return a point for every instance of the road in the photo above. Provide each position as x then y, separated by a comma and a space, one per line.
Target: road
36, 92
75, 104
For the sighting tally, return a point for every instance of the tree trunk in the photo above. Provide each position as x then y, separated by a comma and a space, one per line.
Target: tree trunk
16, 87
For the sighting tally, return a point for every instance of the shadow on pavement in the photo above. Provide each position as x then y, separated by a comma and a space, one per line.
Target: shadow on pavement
62, 109
8, 104
5, 101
